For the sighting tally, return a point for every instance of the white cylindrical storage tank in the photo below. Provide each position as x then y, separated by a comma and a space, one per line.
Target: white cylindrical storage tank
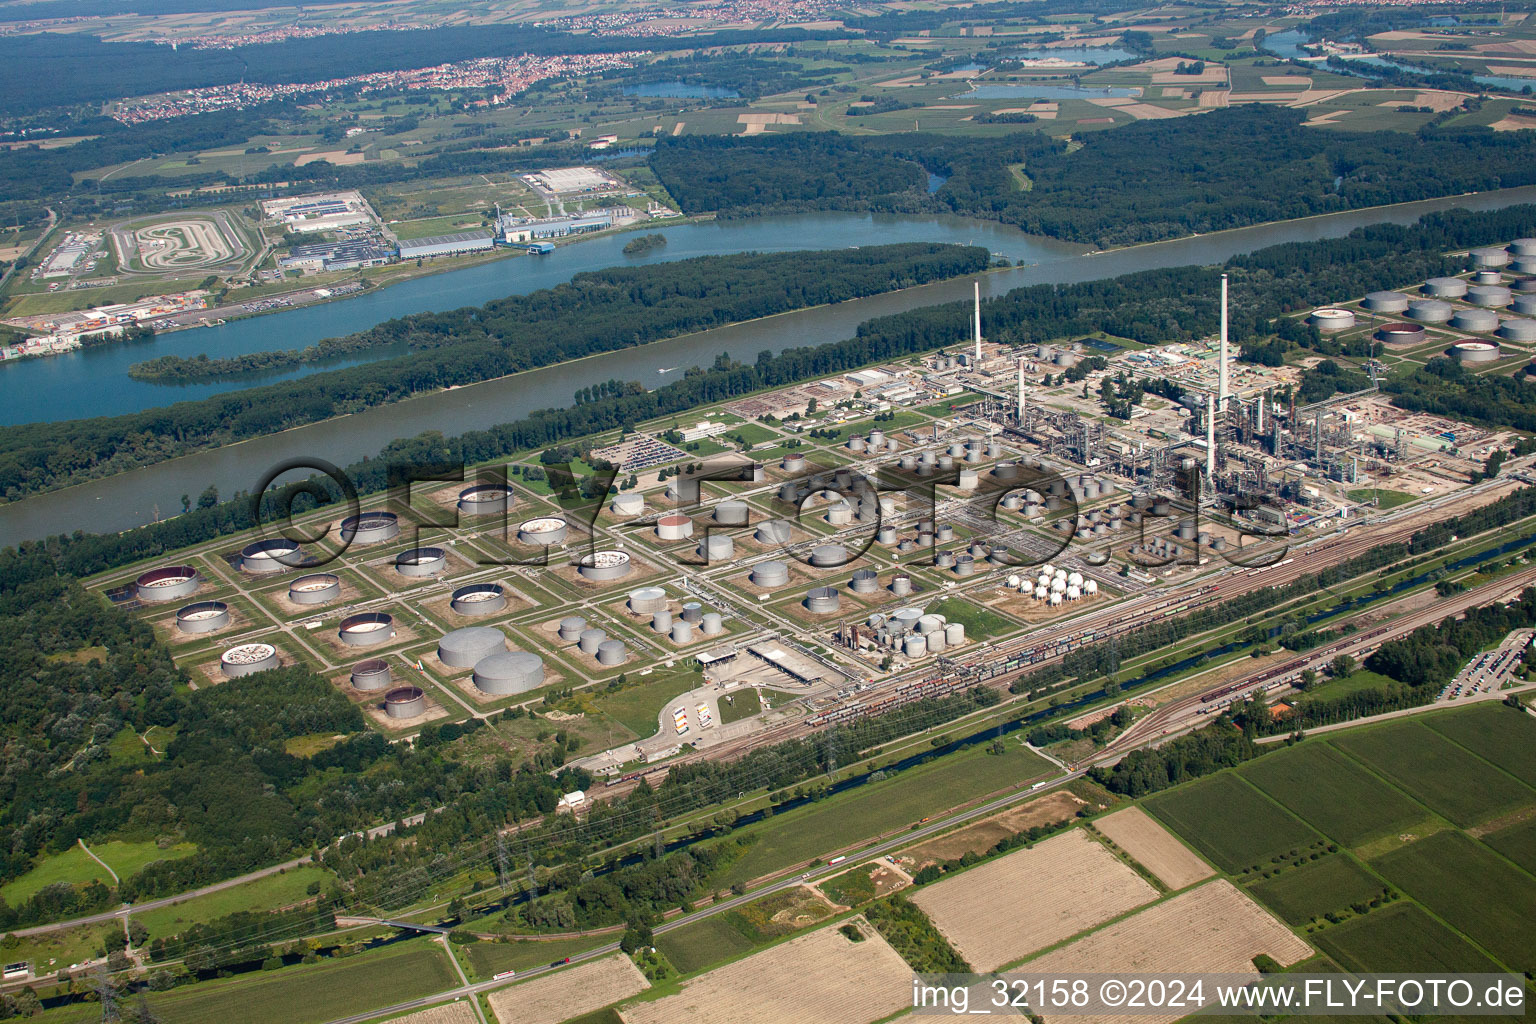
1091, 587
647, 600
732, 512
1523, 247
373, 674
772, 531
1490, 295
268, 556
717, 547
464, 647
1525, 305
1331, 319
405, 702
602, 566
822, 600
793, 461
1404, 335
965, 565
914, 646
1445, 287
1523, 265
876, 438
865, 581
661, 621
970, 479
682, 632
1430, 311
1490, 257
421, 561
316, 588
1487, 277
571, 628
1481, 321
248, 659
366, 629
712, 624
789, 491
629, 504
674, 526
935, 639
1385, 302
693, 611
840, 514
954, 634
886, 535
1475, 352
370, 528
202, 617
829, 556
1523, 331
770, 574
857, 445
612, 652
167, 583
509, 672
485, 499
590, 641
478, 599
901, 585
546, 531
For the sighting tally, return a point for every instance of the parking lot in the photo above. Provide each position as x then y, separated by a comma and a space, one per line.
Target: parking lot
1490, 670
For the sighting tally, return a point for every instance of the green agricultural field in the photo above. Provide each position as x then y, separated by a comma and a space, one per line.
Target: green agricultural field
744, 704
1384, 499
1332, 883
1502, 735
271, 892
1473, 890
55, 951
1333, 793
1517, 842
1400, 938
637, 706
980, 623
805, 833
1231, 823
695, 946
1444, 777
76, 867
488, 958
307, 994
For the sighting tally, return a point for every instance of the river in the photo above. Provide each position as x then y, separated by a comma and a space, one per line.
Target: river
129, 499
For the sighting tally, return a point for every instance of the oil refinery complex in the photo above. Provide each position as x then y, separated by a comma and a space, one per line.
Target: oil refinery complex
893, 533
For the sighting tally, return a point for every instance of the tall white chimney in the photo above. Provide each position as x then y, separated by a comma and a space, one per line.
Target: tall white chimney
1221, 384
1021, 390
978, 323
1261, 414
1210, 436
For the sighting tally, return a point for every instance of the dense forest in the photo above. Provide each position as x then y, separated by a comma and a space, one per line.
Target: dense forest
1142, 182
614, 308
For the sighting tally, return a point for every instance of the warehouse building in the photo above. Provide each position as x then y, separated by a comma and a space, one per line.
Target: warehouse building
445, 245
349, 255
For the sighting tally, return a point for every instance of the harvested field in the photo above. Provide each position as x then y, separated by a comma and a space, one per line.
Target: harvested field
1213, 928
1153, 847
565, 994
821, 976
981, 836
448, 1013
998, 912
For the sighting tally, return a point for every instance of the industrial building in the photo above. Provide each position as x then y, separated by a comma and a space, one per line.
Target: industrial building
515, 230
446, 245
324, 212
348, 254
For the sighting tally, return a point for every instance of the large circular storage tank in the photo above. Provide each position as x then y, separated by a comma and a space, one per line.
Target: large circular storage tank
793, 461
1524, 265
821, 600
712, 624
485, 499
464, 647
1525, 305
1475, 352
1480, 320
1487, 277
373, 674
1400, 334
772, 531
674, 526
248, 659
829, 555
840, 514
600, 566
612, 652
1430, 311
366, 629
509, 672
571, 628
269, 556
865, 581
682, 632
770, 574
591, 640
647, 600
1385, 302
1523, 247
405, 702
661, 620
629, 504
1518, 330
914, 646
421, 561
693, 611
965, 565
1490, 295
478, 599
954, 634
1489, 257
167, 583
1445, 287
370, 528
316, 588
901, 585
1332, 318
202, 617
546, 531
732, 512
857, 444
716, 548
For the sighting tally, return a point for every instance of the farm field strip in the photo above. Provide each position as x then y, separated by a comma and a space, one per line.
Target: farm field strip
1230, 822
552, 998
1333, 793
1153, 847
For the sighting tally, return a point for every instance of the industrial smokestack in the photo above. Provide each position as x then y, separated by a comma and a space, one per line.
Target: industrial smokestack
1221, 383
1021, 390
1260, 426
1210, 437
977, 329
